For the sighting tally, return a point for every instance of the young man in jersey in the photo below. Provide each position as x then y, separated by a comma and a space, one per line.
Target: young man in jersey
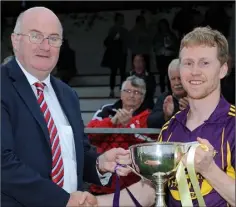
209, 119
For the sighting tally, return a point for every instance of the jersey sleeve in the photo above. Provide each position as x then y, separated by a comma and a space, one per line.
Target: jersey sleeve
230, 146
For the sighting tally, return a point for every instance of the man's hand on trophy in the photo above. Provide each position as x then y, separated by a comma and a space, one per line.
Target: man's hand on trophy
203, 160
80, 198
107, 162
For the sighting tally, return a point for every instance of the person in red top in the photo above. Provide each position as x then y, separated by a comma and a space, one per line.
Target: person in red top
128, 112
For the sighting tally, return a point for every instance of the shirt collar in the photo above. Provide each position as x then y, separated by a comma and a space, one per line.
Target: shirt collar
31, 79
221, 109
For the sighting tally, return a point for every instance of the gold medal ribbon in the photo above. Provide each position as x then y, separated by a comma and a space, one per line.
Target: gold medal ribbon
181, 179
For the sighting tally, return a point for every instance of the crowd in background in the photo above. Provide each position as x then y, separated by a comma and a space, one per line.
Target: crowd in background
164, 43
136, 107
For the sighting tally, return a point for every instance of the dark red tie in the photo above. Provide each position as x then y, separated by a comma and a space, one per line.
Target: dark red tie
57, 162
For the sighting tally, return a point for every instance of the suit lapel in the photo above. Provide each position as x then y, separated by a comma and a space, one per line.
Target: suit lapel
25, 91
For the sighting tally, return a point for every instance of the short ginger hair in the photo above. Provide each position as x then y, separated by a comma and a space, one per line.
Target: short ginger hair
208, 37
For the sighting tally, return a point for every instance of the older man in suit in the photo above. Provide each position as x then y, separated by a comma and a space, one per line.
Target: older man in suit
45, 153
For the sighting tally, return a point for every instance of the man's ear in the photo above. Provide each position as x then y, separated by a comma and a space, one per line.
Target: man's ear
223, 70
15, 41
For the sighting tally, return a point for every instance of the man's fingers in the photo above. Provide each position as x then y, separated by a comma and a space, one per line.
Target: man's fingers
186, 99
123, 156
180, 101
125, 111
122, 151
126, 114
122, 112
168, 99
91, 199
205, 144
204, 141
115, 110
123, 171
131, 111
121, 115
87, 199
124, 160
183, 102
82, 198
164, 107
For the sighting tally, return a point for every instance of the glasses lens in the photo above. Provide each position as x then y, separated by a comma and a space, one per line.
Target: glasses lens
36, 37
55, 41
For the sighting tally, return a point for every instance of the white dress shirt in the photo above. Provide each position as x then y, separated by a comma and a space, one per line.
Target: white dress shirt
65, 132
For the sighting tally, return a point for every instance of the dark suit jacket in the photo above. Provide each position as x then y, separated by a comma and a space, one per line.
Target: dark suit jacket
156, 118
25, 145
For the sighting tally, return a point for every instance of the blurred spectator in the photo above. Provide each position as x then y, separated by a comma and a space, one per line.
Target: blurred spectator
184, 20
166, 49
198, 19
116, 51
228, 83
139, 70
128, 112
140, 40
217, 18
168, 104
66, 66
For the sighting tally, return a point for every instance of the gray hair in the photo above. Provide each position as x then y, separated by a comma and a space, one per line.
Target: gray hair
17, 28
173, 66
18, 25
135, 82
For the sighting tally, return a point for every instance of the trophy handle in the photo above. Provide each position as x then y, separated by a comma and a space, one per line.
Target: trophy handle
134, 171
133, 168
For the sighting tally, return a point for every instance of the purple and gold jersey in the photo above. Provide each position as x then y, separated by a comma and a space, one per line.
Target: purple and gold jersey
219, 130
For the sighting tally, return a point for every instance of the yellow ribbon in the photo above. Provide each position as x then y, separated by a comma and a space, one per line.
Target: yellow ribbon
184, 192
181, 179
192, 173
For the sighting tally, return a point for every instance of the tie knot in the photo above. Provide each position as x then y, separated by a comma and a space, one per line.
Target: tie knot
39, 86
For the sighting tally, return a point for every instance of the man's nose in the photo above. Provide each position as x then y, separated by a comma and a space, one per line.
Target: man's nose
195, 70
45, 44
132, 94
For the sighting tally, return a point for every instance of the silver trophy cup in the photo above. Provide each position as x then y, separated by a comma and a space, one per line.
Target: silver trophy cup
157, 162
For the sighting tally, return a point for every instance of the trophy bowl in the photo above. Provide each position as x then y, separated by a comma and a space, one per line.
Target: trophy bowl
157, 162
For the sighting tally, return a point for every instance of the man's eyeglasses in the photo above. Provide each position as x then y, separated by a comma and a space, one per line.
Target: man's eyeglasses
38, 38
135, 92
